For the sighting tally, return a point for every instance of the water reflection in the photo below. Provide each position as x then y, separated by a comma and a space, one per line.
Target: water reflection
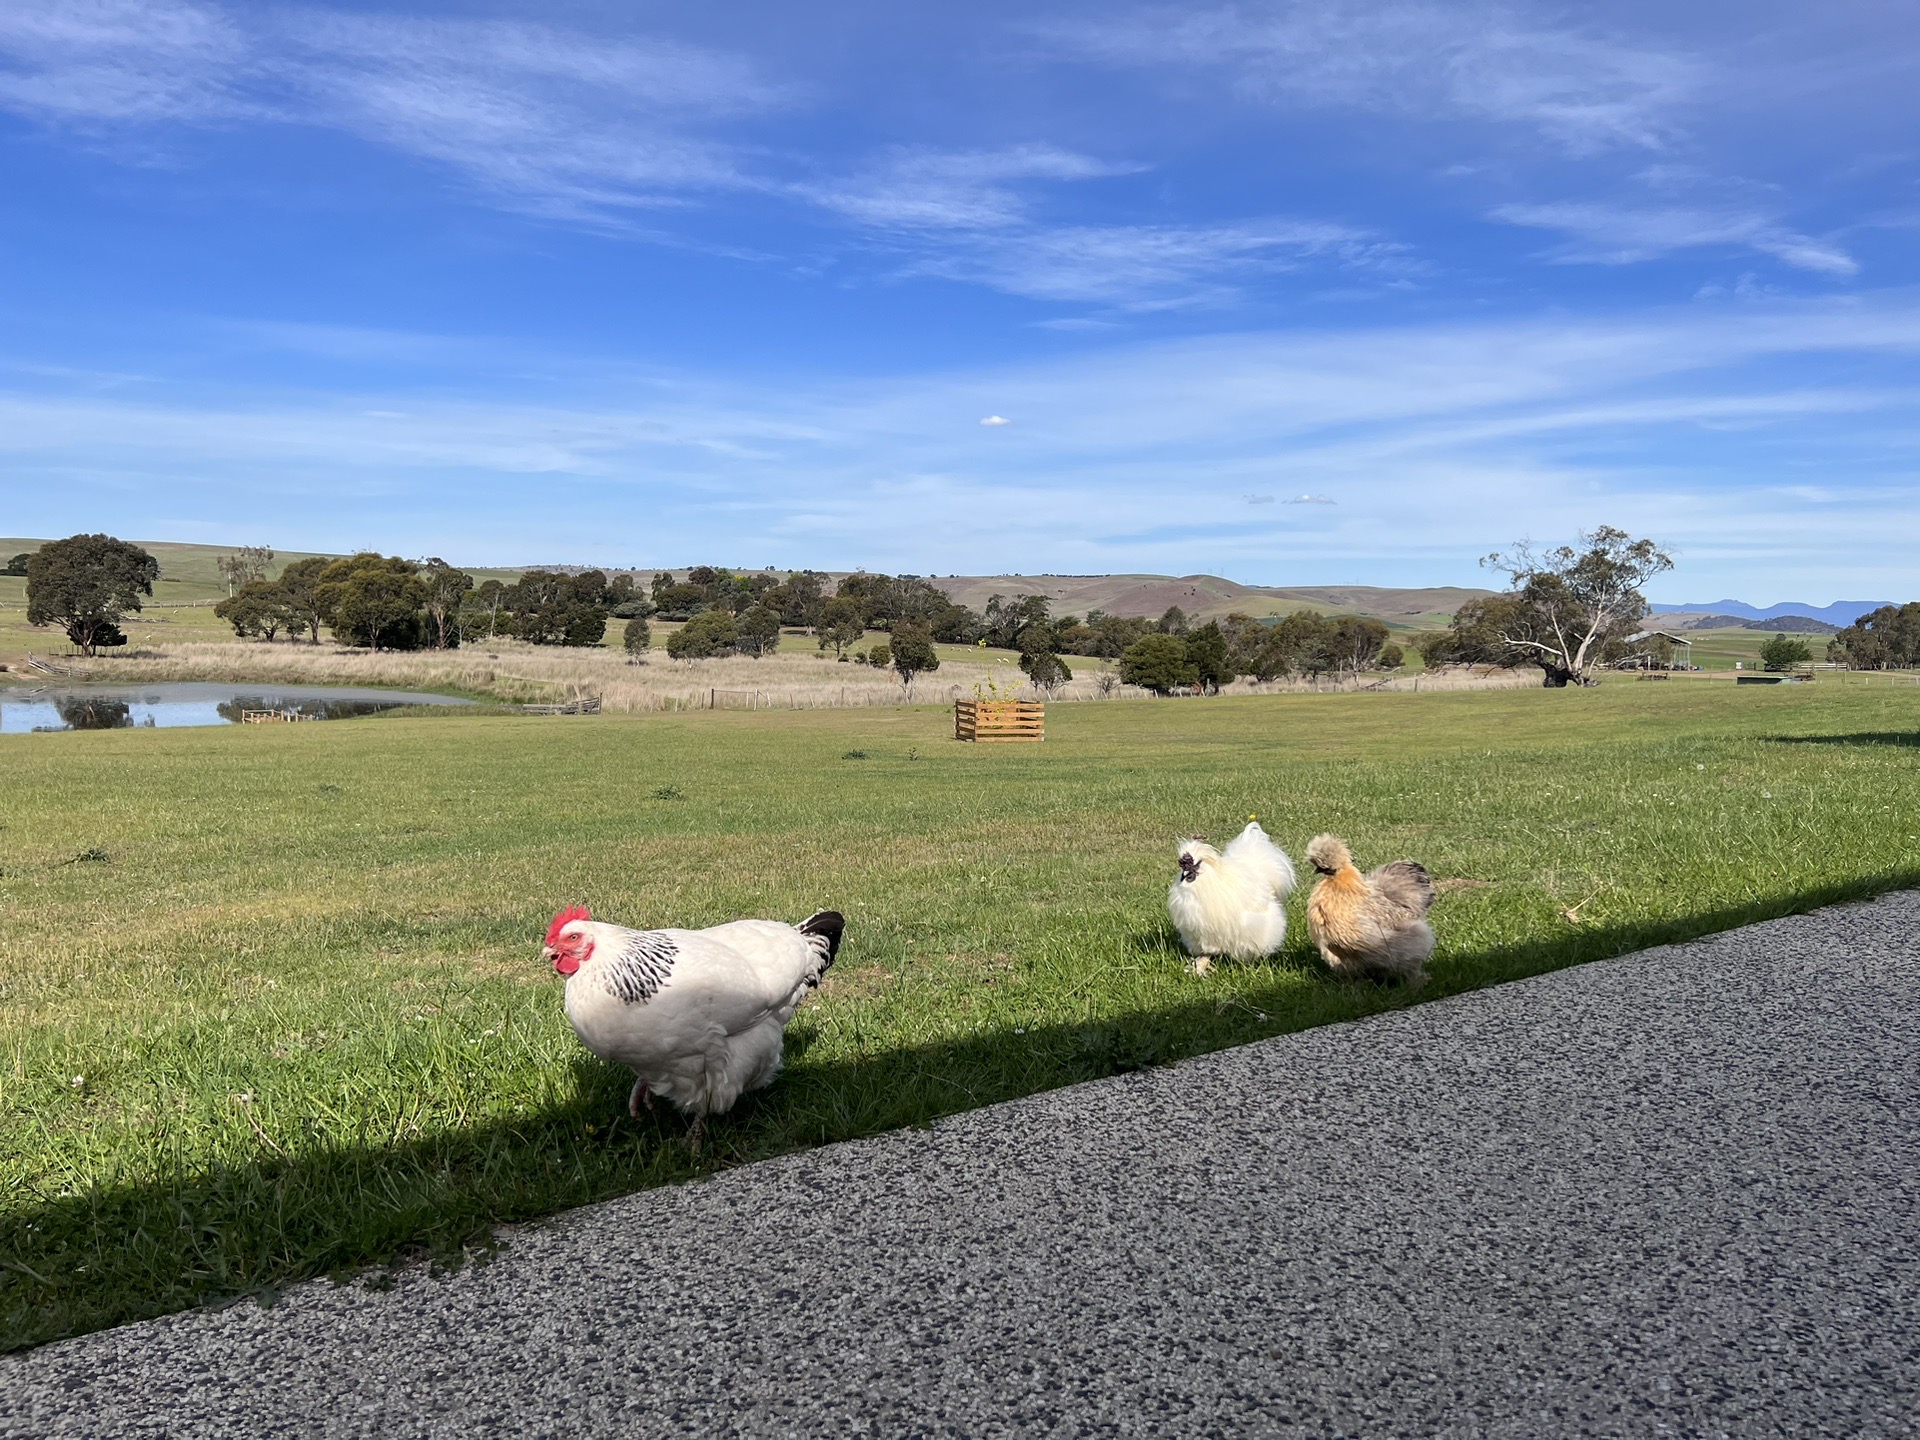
91, 712
164, 706
236, 710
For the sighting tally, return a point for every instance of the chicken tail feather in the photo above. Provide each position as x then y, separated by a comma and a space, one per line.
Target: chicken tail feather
824, 928
1407, 884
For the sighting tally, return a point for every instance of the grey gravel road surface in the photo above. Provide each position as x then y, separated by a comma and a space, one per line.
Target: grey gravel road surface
1672, 1194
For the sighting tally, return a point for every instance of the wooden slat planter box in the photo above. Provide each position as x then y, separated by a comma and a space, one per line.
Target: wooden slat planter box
999, 720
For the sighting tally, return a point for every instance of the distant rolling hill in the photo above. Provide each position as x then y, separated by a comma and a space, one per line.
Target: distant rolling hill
1797, 625
1210, 596
1838, 614
192, 568
1682, 620
188, 572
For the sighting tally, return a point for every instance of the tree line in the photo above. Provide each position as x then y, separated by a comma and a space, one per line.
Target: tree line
1568, 611
1883, 639
88, 583
385, 602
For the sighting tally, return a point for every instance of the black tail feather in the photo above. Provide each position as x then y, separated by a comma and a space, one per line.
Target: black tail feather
829, 925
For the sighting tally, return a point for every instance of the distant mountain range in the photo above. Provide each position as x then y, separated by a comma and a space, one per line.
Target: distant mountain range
1792, 624
1841, 612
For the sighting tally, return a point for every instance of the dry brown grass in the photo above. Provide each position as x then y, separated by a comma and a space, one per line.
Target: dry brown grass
519, 673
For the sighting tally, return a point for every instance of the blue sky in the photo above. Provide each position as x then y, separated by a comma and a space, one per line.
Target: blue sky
1294, 293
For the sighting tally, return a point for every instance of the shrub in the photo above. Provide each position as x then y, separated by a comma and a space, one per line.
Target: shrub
260, 608
554, 609
757, 630
1783, 652
842, 623
1158, 663
1207, 652
911, 651
706, 635
1047, 670
380, 609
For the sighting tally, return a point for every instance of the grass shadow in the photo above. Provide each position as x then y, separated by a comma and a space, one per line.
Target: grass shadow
1907, 739
116, 1254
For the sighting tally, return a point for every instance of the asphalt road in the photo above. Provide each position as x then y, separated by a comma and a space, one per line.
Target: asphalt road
1672, 1194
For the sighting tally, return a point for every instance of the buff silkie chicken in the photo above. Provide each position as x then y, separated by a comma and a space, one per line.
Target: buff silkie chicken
1231, 902
699, 1016
1371, 926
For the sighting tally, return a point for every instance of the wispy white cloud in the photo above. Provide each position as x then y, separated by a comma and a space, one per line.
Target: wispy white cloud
560, 118
588, 128
536, 116
1139, 267
92, 63
920, 189
1583, 89
971, 216
1141, 457
1623, 234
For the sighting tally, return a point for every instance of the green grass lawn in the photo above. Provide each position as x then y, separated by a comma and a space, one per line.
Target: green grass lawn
1719, 649
180, 610
271, 1003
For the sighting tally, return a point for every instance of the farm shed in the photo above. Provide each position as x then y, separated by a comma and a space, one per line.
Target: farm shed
1643, 651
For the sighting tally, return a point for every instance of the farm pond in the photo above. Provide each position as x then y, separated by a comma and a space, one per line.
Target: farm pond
163, 706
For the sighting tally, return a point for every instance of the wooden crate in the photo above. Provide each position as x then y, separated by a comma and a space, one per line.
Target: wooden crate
999, 720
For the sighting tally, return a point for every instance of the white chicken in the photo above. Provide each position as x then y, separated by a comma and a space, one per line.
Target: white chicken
699, 1016
1231, 902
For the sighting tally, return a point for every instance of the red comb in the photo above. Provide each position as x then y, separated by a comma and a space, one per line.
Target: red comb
565, 918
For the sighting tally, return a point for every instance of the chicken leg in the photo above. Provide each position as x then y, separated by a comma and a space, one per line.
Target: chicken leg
640, 1095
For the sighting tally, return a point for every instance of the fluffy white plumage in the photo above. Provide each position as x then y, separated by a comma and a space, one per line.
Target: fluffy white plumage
1231, 902
699, 1016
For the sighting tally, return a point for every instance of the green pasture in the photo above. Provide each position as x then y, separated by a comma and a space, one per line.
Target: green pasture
1719, 649
271, 1003
181, 608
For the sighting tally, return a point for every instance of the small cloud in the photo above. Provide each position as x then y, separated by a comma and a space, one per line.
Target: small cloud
1620, 235
1311, 500
1747, 287
995, 420
1259, 499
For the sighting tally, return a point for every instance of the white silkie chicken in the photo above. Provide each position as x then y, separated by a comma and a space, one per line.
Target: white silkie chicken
699, 1016
1231, 902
